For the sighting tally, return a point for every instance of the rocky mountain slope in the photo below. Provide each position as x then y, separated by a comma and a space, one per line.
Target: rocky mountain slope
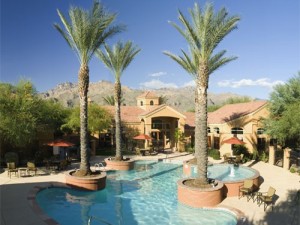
181, 99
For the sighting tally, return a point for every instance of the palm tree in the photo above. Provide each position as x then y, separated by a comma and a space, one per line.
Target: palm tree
86, 32
203, 36
110, 100
117, 59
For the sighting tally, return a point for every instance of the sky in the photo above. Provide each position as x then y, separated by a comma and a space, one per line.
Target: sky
267, 44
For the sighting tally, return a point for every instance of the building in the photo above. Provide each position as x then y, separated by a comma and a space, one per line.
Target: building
161, 122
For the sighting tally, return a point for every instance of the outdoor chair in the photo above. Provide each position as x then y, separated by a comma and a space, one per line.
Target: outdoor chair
246, 189
11, 168
137, 151
266, 198
226, 157
239, 159
31, 167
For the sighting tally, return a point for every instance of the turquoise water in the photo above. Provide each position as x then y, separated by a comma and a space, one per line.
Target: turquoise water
226, 172
146, 195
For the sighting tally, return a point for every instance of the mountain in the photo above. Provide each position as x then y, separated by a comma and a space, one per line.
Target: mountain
181, 99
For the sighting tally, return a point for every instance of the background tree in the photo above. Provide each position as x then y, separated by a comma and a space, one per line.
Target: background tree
22, 112
86, 32
117, 60
203, 35
99, 119
110, 100
284, 120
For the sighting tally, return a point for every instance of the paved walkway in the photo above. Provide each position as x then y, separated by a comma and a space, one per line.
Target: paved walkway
15, 208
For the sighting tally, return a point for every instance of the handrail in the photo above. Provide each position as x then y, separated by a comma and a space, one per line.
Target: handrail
98, 219
98, 165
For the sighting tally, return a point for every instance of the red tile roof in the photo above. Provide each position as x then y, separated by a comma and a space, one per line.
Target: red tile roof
234, 111
227, 112
128, 113
148, 94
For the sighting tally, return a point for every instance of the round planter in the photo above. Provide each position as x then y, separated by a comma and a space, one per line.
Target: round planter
198, 198
231, 188
119, 165
91, 183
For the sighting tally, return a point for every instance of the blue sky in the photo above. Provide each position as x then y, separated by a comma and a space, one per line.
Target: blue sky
267, 44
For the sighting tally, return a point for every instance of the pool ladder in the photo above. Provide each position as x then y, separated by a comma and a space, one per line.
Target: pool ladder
99, 165
97, 219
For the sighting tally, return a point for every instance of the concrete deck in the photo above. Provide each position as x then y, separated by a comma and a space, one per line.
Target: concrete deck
16, 210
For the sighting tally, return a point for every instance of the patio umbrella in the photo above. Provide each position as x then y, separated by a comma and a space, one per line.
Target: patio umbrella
142, 137
60, 143
233, 141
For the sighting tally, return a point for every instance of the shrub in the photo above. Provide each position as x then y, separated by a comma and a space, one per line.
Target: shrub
12, 157
214, 153
292, 170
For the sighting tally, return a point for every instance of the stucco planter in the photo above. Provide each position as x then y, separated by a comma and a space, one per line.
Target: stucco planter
127, 164
198, 197
91, 183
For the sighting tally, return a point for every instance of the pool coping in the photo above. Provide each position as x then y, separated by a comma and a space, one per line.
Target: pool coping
31, 198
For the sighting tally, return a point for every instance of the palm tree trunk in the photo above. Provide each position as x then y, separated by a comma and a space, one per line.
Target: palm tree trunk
118, 119
201, 147
83, 85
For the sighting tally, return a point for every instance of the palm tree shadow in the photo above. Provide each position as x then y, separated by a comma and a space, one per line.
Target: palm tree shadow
285, 212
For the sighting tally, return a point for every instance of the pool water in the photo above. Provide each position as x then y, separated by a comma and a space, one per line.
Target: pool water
226, 172
146, 195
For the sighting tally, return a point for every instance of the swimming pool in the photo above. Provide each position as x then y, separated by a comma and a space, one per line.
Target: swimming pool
146, 195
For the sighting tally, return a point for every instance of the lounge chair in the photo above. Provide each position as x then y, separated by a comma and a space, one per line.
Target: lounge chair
226, 158
246, 189
266, 198
31, 167
11, 168
239, 159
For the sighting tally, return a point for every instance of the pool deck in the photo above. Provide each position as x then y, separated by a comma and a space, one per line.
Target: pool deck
16, 209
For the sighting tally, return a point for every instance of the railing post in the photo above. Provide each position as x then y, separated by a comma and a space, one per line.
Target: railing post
286, 158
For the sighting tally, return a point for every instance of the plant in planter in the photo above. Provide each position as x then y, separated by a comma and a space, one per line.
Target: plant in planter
203, 35
116, 59
85, 32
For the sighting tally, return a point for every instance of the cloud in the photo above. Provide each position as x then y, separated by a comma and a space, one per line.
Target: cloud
156, 84
158, 74
263, 82
190, 83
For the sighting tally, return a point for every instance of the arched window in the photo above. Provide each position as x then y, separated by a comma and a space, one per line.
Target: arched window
217, 130
151, 102
237, 130
141, 103
208, 130
260, 131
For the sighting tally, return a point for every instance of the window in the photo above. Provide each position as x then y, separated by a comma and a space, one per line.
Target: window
260, 131
217, 130
237, 130
141, 103
151, 102
157, 124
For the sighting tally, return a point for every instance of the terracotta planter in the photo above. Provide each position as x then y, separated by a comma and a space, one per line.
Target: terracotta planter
119, 165
198, 198
94, 183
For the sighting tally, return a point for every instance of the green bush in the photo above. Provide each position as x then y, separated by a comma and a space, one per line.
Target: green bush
12, 157
292, 170
214, 153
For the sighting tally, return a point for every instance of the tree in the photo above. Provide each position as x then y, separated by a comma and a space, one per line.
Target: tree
18, 113
117, 60
99, 119
86, 32
22, 112
284, 120
110, 100
203, 36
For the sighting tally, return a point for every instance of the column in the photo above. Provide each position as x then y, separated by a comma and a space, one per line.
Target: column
286, 158
272, 155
